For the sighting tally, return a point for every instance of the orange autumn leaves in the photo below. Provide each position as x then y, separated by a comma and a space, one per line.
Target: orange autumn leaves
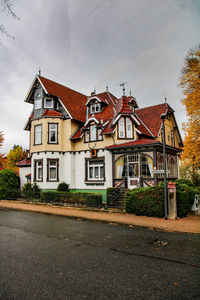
190, 81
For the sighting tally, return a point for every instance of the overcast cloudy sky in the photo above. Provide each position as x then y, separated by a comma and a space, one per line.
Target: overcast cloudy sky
85, 44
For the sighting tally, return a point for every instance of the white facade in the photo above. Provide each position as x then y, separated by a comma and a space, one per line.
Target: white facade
72, 170
23, 171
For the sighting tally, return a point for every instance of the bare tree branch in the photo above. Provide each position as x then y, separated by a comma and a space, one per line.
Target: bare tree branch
7, 7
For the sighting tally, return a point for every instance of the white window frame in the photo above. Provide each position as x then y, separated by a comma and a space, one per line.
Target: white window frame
37, 104
45, 103
96, 107
54, 166
38, 134
129, 128
96, 169
99, 136
38, 168
93, 133
53, 130
121, 129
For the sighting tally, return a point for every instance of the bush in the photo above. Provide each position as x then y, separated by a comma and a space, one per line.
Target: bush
63, 187
88, 199
184, 181
30, 191
145, 201
9, 184
185, 199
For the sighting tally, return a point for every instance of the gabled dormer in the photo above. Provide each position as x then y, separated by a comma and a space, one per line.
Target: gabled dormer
95, 103
92, 130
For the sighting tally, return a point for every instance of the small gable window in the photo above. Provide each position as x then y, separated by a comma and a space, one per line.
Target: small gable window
48, 103
93, 133
38, 98
94, 108
125, 128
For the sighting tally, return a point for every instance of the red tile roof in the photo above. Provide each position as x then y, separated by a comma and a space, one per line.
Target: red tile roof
72, 100
123, 106
151, 116
24, 163
52, 113
133, 143
77, 134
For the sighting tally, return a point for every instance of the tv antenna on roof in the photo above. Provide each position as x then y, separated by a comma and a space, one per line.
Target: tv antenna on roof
123, 85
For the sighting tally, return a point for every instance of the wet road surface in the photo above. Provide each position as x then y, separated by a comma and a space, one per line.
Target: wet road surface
52, 257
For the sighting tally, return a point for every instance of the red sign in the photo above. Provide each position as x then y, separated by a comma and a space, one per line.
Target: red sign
171, 185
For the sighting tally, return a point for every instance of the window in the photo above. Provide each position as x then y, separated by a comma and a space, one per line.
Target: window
87, 136
172, 165
52, 169
38, 98
172, 138
94, 108
38, 134
146, 166
121, 128
99, 136
125, 128
95, 169
53, 133
38, 168
129, 129
93, 133
48, 103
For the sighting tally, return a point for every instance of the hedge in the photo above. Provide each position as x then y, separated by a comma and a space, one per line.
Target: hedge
185, 199
9, 184
150, 201
145, 201
88, 199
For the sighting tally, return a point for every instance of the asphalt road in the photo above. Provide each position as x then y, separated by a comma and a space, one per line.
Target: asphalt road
52, 257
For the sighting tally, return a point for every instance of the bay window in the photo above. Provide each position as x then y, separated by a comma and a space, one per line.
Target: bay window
52, 169
38, 170
95, 169
38, 134
53, 133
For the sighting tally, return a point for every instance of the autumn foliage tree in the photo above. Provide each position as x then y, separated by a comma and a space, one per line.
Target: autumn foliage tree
190, 81
14, 156
1, 155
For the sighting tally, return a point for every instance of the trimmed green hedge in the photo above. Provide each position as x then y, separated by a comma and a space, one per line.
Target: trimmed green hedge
9, 184
150, 201
88, 199
185, 199
145, 201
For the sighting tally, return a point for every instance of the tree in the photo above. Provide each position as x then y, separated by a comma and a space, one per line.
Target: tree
190, 81
9, 182
1, 155
7, 8
15, 155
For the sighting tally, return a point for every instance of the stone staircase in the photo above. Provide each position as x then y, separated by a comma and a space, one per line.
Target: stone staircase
116, 199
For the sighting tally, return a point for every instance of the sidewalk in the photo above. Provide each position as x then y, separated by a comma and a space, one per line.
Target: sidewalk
189, 224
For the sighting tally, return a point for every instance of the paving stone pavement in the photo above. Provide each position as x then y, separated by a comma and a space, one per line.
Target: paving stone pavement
190, 224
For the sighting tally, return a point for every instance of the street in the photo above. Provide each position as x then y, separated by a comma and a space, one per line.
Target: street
52, 257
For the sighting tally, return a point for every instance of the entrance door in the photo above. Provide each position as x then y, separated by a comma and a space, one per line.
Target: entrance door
133, 174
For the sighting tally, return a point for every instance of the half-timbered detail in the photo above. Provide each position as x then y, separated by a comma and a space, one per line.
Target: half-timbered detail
97, 141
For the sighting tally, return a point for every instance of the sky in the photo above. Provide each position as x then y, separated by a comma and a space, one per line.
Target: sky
88, 44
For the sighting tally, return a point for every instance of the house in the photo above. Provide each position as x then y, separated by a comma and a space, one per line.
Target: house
97, 141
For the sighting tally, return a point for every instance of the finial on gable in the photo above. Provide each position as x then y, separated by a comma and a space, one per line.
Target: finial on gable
123, 85
130, 94
165, 99
106, 87
39, 72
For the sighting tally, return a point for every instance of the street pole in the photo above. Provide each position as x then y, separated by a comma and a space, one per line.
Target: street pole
163, 117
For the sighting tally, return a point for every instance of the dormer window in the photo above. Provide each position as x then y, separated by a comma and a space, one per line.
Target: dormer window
48, 103
125, 128
94, 108
38, 98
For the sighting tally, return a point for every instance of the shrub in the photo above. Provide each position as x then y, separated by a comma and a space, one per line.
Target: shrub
184, 181
185, 199
63, 187
30, 191
145, 201
9, 184
88, 199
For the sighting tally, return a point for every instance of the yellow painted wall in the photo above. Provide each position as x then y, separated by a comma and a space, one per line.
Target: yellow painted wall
169, 125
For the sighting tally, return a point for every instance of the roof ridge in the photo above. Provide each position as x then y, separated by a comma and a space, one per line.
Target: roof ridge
166, 104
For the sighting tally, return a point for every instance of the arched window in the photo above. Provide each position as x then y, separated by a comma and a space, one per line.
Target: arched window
121, 128
172, 165
129, 128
